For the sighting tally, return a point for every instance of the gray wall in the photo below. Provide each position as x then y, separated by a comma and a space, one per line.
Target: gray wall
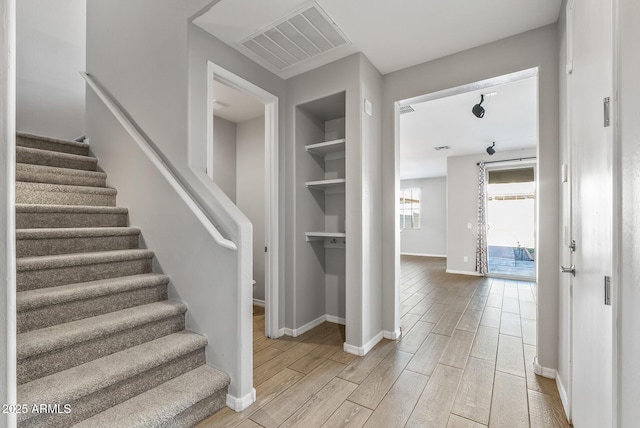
143, 54
629, 297
431, 238
536, 48
250, 190
462, 206
51, 44
7, 209
225, 156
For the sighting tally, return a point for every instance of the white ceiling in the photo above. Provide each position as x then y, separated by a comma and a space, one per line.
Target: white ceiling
510, 120
240, 106
392, 34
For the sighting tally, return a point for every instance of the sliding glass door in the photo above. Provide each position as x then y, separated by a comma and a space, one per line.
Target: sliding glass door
511, 221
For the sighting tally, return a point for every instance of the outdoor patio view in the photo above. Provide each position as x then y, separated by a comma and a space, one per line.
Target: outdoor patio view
511, 222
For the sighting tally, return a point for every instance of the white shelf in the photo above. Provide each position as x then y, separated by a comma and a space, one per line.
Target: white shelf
326, 147
334, 183
318, 236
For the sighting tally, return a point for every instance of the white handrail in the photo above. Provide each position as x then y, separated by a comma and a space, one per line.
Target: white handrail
157, 160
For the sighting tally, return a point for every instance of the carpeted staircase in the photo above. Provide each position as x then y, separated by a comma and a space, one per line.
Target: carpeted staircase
95, 328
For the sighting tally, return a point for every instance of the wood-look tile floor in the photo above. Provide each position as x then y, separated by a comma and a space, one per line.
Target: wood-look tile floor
464, 360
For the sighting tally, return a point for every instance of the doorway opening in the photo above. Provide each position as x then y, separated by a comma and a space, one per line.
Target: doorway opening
511, 221
242, 158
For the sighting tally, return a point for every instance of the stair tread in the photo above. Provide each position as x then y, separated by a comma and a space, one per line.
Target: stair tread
32, 299
75, 232
59, 170
79, 259
59, 155
59, 336
69, 385
51, 139
64, 188
75, 209
152, 408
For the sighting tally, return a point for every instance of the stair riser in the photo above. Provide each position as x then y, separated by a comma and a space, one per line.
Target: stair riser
61, 359
35, 143
66, 312
31, 280
88, 164
56, 220
201, 410
50, 247
101, 400
72, 180
24, 196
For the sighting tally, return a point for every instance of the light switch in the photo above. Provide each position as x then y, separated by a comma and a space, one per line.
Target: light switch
367, 107
469, 226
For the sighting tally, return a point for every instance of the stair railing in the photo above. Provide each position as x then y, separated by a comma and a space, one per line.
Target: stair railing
160, 162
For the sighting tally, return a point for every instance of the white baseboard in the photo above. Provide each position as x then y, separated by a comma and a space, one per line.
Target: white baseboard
564, 398
239, 404
362, 350
543, 371
464, 272
335, 320
424, 255
393, 335
295, 332
258, 302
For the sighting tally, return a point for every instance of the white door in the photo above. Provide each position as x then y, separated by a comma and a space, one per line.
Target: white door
591, 82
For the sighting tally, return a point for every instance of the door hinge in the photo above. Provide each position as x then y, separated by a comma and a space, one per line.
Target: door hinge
607, 112
607, 290
265, 249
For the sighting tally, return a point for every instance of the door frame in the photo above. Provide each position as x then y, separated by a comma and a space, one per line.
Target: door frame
271, 132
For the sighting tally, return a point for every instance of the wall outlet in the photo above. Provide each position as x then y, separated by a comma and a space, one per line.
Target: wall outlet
466, 259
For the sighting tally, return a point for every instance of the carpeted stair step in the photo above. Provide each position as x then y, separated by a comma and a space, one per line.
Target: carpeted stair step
53, 271
194, 396
53, 349
49, 242
53, 144
46, 307
61, 194
30, 216
57, 159
94, 387
53, 175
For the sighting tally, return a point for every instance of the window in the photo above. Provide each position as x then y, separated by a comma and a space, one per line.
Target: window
410, 208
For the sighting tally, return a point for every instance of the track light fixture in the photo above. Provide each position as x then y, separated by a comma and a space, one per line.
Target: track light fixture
491, 149
477, 109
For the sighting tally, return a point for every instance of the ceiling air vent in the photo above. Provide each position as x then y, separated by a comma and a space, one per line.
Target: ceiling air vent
442, 148
406, 109
305, 34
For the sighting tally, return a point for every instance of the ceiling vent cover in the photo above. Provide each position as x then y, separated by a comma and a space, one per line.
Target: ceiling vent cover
442, 148
406, 109
304, 34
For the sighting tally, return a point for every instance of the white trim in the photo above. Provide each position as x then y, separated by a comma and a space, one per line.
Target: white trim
463, 272
240, 404
392, 335
258, 302
272, 215
423, 255
336, 320
564, 398
160, 164
543, 371
8, 389
363, 350
295, 332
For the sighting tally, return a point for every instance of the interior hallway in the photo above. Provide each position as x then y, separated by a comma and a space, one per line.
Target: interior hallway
464, 360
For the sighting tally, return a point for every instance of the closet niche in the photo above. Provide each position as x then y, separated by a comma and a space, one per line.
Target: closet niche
320, 146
